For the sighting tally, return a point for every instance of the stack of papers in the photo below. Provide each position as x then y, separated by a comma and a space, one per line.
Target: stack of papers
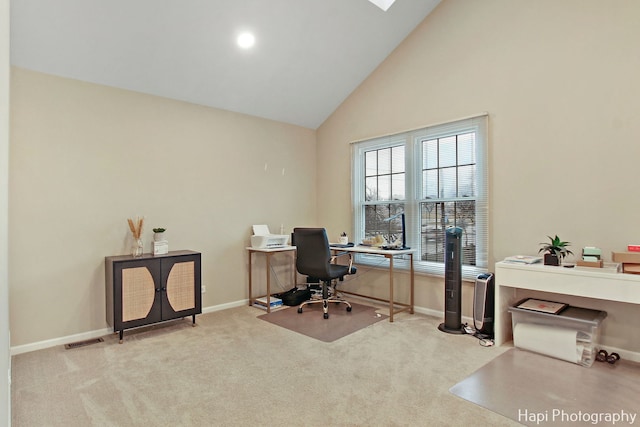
262, 302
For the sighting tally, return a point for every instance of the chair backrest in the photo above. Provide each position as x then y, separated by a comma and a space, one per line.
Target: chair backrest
313, 257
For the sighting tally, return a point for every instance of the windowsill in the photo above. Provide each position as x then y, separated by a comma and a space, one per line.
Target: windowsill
402, 265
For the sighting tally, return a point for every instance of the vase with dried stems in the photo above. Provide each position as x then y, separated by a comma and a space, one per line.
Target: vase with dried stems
137, 248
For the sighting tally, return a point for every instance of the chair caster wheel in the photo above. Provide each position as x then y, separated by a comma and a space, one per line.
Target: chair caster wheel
348, 308
326, 315
299, 309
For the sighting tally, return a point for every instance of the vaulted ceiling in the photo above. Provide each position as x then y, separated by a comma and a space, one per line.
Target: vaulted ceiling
308, 56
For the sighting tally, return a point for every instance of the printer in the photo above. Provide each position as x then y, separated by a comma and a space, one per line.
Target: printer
263, 239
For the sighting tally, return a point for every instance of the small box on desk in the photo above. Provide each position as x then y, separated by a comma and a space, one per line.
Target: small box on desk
591, 251
570, 335
160, 247
607, 267
596, 264
626, 257
631, 268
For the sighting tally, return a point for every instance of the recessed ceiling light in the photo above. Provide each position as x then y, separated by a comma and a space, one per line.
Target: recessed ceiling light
383, 4
246, 40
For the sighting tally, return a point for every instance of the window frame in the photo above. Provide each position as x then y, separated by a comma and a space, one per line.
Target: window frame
412, 141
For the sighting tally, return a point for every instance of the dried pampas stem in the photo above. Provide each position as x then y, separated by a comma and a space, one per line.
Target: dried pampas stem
131, 227
136, 229
140, 227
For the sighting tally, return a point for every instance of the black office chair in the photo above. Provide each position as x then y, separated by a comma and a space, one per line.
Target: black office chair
313, 259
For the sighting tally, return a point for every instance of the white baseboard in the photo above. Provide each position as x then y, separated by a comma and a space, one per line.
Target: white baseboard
225, 306
440, 314
40, 345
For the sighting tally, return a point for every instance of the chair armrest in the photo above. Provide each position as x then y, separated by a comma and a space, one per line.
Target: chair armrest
339, 254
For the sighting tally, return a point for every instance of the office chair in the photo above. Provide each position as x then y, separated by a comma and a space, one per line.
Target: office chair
313, 259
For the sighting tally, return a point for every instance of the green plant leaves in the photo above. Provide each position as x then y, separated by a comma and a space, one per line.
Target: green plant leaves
556, 246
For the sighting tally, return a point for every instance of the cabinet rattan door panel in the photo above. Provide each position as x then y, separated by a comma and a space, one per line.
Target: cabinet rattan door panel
180, 290
138, 293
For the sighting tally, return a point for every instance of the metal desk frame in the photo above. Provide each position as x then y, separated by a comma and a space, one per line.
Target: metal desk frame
269, 252
389, 254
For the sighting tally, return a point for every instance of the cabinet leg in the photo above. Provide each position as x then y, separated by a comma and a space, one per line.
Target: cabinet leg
121, 335
194, 321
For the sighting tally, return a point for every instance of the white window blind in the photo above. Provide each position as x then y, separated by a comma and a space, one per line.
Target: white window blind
438, 177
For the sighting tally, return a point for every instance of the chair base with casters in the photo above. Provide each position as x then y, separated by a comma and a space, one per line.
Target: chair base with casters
329, 295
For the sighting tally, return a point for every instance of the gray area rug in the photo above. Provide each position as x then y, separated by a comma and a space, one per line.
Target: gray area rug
311, 323
537, 390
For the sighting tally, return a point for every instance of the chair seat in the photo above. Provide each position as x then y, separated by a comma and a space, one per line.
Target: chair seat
337, 271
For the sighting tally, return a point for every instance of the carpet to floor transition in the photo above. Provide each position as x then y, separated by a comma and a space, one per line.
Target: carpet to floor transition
537, 390
312, 324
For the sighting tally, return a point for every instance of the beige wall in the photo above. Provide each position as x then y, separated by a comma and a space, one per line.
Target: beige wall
560, 83
5, 357
85, 157
558, 79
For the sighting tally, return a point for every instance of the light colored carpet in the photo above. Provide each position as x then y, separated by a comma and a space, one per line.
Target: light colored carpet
312, 324
236, 370
541, 391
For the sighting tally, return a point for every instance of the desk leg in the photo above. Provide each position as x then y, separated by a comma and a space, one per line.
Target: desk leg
268, 257
250, 294
390, 288
293, 270
412, 277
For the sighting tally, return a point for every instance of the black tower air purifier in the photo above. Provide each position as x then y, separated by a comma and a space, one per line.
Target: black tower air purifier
483, 304
452, 282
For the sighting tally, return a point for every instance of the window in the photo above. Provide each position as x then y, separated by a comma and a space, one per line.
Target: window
437, 177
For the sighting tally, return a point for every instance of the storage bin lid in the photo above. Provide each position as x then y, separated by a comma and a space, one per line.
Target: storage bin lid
578, 314
583, 314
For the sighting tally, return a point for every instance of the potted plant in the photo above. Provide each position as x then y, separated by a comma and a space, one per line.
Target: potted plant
554, 251
158, 234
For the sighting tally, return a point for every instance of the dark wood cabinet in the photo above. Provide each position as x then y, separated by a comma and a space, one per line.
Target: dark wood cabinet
150, 289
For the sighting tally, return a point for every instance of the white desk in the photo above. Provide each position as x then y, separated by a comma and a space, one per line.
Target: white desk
389, 254
590, 283
268, 252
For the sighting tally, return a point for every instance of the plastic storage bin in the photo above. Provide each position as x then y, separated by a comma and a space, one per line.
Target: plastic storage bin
571, 335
